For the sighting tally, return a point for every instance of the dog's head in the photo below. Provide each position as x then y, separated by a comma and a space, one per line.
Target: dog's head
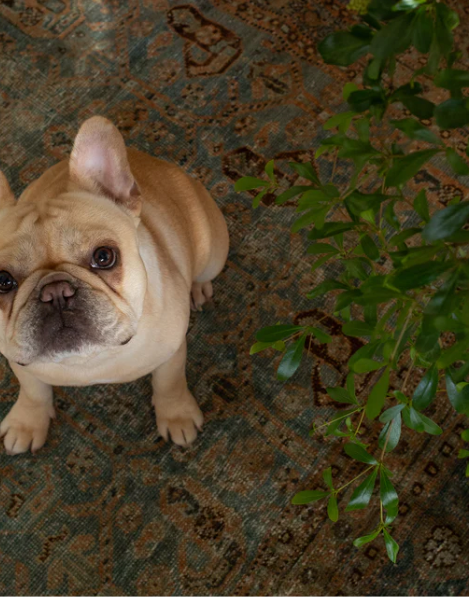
72, 281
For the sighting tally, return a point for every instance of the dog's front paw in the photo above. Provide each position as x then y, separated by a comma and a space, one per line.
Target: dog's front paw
179, 420
25, 427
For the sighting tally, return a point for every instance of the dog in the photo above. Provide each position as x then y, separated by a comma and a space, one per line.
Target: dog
101, 260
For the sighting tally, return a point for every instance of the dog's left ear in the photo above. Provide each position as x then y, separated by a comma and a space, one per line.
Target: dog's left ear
99, 163
6, 196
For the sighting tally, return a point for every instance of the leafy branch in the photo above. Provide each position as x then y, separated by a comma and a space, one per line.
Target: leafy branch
404, 275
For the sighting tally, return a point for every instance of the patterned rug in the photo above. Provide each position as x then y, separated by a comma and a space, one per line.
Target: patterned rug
219, 87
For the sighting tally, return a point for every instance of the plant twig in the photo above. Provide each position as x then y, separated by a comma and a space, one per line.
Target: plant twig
355, 478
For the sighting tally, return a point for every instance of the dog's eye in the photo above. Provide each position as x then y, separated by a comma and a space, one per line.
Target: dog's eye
7, 282
104, 258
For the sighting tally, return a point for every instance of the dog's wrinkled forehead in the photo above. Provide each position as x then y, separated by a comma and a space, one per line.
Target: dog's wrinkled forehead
48, 233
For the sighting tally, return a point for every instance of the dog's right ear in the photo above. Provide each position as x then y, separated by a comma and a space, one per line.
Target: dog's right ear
6, 196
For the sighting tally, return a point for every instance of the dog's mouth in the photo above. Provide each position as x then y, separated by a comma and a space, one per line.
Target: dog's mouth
90, 322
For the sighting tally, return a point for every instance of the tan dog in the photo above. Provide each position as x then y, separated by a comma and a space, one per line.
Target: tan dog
100, 260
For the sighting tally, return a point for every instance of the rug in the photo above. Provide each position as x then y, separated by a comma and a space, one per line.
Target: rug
106, 507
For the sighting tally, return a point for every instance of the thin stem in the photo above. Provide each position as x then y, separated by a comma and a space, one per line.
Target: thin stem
407, 376
355, 478
381, 511
359, 423
404, 327
388, 433
334, 165
327, 423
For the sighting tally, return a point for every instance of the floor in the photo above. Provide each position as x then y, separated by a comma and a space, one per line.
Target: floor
219, 87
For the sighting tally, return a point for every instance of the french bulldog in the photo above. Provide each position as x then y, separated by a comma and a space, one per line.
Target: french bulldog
101, 260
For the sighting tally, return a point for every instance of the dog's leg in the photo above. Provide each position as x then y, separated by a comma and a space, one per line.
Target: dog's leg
202, 290
27, 423
178, 416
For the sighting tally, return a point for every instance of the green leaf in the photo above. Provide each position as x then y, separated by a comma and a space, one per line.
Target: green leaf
361, 541
452, 79
332, 509
465, 435
340, 395
290, 193
391, 413
391, 546
419, 106
394, 430
457, 352
354, 148
345, 299
452, 113
377, 396
379, 295
319, 248
342, 48
457, 163
400, 238
325, 287
312, 199
366, 365
458, 398
327, 476
446, 222
320, 335
363, 99
358, 453
421, 205
463, 454
273, 333
362, 495
388, 496
306, 497
362, 127
403, 169
430, 426
394, 38
258, 346
258, 198
305, 170
408, 4
291, 359
423, 31
357, 329
412, 419
321, 261
341, 120
419, 275
348, 89
312, 216
358, 202
425, 392
248, 183
414, 130
390, 216
446, 20
329, 229
369, 248
419, 422
269, 170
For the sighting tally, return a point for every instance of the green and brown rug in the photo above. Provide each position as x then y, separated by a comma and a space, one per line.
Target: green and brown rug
219, 87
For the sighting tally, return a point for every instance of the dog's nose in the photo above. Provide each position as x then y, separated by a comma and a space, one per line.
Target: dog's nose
58, 293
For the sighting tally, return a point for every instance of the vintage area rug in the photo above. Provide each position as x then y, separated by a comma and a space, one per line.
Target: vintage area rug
219, 87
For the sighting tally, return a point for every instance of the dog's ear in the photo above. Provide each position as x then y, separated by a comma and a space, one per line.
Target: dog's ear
6, 196
99, 163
